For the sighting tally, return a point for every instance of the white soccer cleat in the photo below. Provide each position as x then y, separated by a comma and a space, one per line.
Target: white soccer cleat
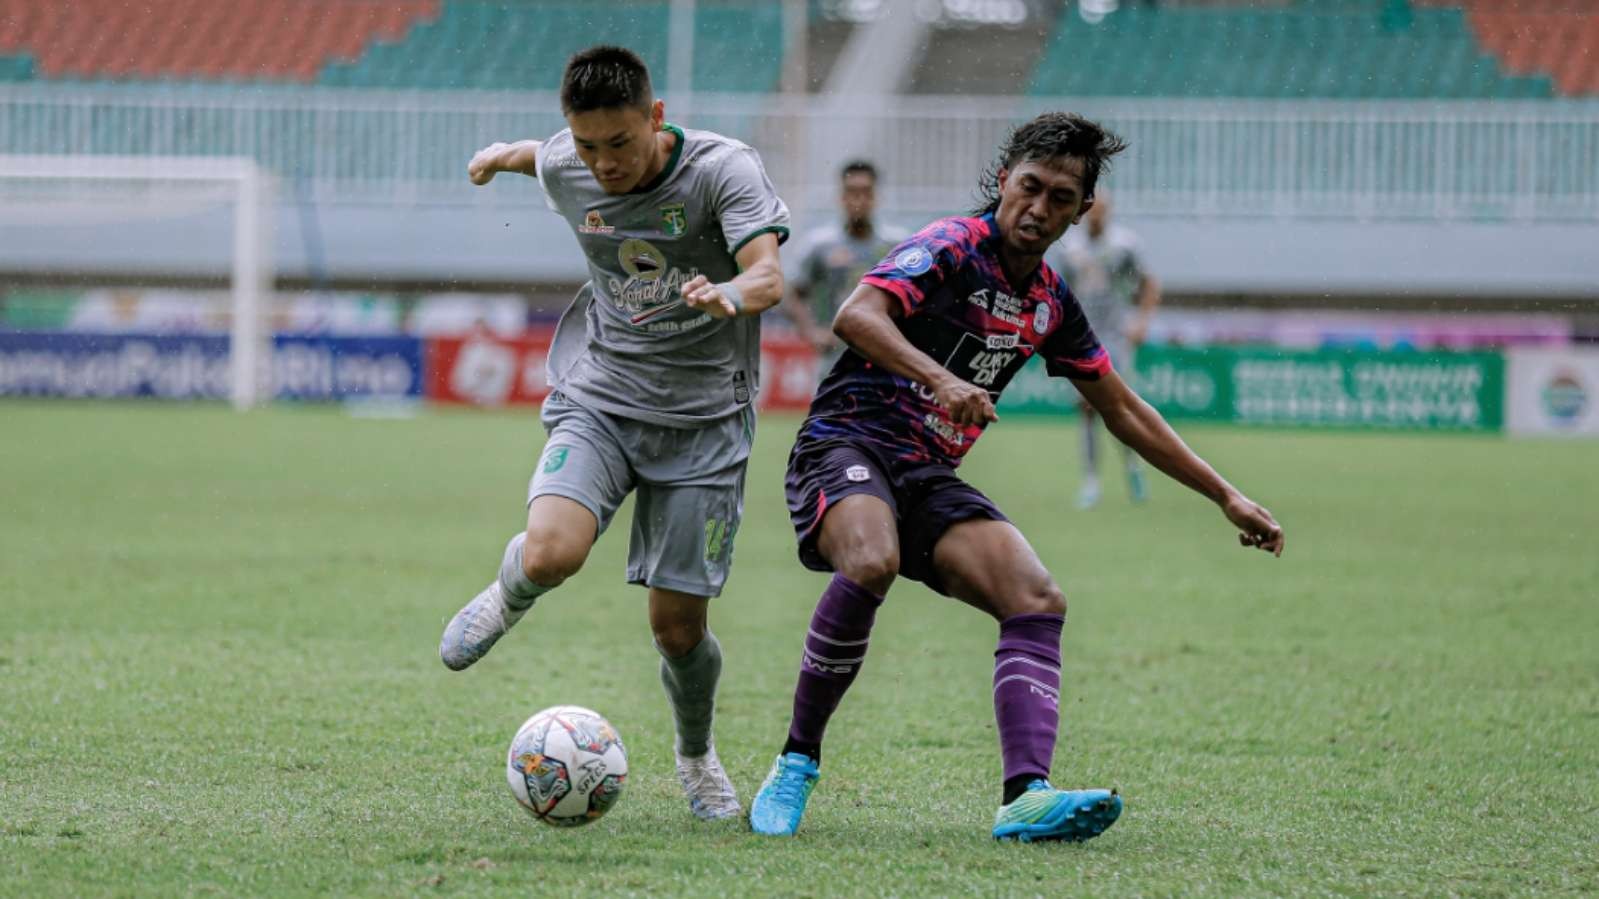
1088, 494
709, 790
474, 629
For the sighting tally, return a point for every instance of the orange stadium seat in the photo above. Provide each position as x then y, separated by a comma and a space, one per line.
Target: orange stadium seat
278, 40
1558, 38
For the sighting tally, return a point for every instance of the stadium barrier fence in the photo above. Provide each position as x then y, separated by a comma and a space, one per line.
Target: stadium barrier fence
1526, 161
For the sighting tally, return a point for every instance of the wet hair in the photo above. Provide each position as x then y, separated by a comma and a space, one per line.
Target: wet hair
858, 167
605, 77
1052, 135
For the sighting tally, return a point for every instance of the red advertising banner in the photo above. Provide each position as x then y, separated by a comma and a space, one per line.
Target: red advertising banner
488, 370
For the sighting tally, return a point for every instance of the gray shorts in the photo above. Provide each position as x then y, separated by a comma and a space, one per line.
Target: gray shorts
690, 485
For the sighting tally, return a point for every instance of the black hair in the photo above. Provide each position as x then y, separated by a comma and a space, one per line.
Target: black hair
858, 167
605, 77
1051, 136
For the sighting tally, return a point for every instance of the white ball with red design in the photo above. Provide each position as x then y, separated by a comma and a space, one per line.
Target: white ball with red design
567, 766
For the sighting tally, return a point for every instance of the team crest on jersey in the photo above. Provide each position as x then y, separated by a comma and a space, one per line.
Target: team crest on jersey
1041, 317
594, 224
674, 219
641, 260
913, 261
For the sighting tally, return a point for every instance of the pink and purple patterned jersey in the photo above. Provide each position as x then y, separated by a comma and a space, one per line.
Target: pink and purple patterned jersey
960, 309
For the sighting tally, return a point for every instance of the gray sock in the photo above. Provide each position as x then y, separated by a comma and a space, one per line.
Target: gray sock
514, 584
690, 682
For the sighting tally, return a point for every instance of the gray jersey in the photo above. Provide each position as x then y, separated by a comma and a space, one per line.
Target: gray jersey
627, 345
1104, 275
833, 265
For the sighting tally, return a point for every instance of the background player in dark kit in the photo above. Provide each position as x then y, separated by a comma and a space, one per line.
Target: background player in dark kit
936, 331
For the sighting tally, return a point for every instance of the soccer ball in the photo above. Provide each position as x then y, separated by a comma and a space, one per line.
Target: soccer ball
566, 766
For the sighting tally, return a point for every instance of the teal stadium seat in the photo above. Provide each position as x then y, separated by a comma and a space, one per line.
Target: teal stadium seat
1336, 49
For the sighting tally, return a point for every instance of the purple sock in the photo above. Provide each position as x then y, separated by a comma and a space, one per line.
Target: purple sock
1027, 692
834, 650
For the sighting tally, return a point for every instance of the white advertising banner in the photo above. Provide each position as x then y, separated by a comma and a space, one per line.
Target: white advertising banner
1553, 391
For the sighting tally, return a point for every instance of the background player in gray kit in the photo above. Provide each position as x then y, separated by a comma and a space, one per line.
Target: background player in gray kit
836, 256
653, 372
1104, 267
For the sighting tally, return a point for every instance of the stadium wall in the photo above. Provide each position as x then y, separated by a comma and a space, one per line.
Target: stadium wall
1549, 390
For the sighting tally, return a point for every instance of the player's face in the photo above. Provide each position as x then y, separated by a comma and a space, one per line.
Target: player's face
618, 144
859, 197
1038, 201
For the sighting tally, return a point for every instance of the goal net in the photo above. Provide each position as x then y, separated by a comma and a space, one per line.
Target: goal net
149, 220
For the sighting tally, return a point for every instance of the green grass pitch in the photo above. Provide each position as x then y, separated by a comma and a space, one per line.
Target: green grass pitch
219, 673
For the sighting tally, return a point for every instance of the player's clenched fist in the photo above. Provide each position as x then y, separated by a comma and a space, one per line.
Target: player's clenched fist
486, 163
967, 403
699, 293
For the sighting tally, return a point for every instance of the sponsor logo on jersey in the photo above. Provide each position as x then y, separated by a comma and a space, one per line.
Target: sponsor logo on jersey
594, 224
857, 473
674, 219
1002, 341
641, 260
944, 429
986, 366
913, 261
1041, 317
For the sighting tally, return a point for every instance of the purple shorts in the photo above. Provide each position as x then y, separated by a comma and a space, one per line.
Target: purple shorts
927, 499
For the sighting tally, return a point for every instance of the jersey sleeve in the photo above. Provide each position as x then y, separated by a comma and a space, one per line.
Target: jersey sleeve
745, 202
1072, 350
547, 178
917, 266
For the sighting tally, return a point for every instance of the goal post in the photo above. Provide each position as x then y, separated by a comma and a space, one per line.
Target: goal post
69, 196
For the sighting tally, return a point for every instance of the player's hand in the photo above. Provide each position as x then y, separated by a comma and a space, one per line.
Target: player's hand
485, 163
1256, 526
968, 404
699, 293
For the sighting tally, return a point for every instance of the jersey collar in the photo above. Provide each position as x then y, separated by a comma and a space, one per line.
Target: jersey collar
671, 162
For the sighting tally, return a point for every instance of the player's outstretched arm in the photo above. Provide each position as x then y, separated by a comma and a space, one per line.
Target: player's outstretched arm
757, 288
521, 157
866, 323
1137, 424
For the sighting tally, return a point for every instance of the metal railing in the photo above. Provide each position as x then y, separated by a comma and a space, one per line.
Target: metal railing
1526, 161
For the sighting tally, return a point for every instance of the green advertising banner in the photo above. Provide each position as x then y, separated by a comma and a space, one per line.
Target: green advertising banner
1397, 389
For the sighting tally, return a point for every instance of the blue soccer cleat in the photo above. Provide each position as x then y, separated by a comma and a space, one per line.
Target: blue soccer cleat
1045, 813
780, 804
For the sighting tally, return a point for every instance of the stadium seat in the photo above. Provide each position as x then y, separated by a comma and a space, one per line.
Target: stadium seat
1393, 49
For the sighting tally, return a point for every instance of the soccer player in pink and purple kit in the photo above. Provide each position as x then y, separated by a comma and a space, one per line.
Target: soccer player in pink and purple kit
936, 331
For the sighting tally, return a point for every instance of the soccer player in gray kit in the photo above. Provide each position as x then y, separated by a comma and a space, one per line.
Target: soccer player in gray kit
653, 372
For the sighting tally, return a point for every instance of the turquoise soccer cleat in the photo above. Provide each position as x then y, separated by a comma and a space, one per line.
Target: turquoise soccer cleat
1045, 813
780, 804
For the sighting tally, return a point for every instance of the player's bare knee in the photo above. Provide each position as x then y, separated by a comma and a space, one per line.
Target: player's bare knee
679, 640
872, 568
548, 559
1045, 598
